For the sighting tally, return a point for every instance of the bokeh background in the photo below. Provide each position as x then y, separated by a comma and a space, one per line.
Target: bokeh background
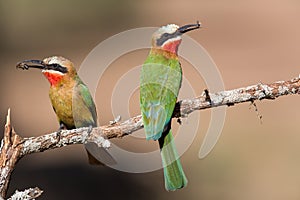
250, 42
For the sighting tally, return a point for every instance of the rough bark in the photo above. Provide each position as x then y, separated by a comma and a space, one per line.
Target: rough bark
14, 147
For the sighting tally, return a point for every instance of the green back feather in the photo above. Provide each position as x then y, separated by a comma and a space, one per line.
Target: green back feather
160, 83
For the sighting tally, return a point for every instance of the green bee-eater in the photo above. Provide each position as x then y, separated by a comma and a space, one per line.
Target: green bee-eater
70, 98
161, 78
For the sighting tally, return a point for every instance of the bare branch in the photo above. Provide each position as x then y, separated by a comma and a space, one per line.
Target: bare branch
28, 194
67, 137
9, 155
183, 108
13, 147
251, 93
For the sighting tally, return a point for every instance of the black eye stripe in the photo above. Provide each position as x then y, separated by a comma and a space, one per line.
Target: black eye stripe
164, 37
57, 67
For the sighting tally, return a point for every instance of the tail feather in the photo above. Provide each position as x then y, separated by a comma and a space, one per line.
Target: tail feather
173, 172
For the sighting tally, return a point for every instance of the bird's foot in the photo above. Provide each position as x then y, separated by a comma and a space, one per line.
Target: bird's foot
90, 130
61, 127
58, 135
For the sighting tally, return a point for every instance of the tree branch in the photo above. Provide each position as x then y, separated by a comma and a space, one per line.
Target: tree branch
251, 93
13, 147
28, 194
9, 155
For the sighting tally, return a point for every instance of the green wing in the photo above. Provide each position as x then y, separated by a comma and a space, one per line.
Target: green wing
160, 83
84, 110
85, 114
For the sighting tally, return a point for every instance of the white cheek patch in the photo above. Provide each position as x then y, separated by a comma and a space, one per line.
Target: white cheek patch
51, 71
171, 40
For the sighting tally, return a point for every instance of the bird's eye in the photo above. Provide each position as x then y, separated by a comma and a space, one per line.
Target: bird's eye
164, 37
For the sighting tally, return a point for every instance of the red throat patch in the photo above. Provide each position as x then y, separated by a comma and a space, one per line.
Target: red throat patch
53, 78
172, 46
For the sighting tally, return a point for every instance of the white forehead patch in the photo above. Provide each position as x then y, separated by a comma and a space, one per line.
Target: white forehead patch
170, 28
53, 60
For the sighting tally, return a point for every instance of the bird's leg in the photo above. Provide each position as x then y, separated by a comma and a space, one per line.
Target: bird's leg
90, 130
61, 127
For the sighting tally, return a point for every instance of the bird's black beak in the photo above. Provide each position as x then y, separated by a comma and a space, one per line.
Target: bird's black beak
26, 64
189, 27
39, 64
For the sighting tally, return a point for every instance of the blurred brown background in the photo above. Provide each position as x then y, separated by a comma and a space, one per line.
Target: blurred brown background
250, 41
